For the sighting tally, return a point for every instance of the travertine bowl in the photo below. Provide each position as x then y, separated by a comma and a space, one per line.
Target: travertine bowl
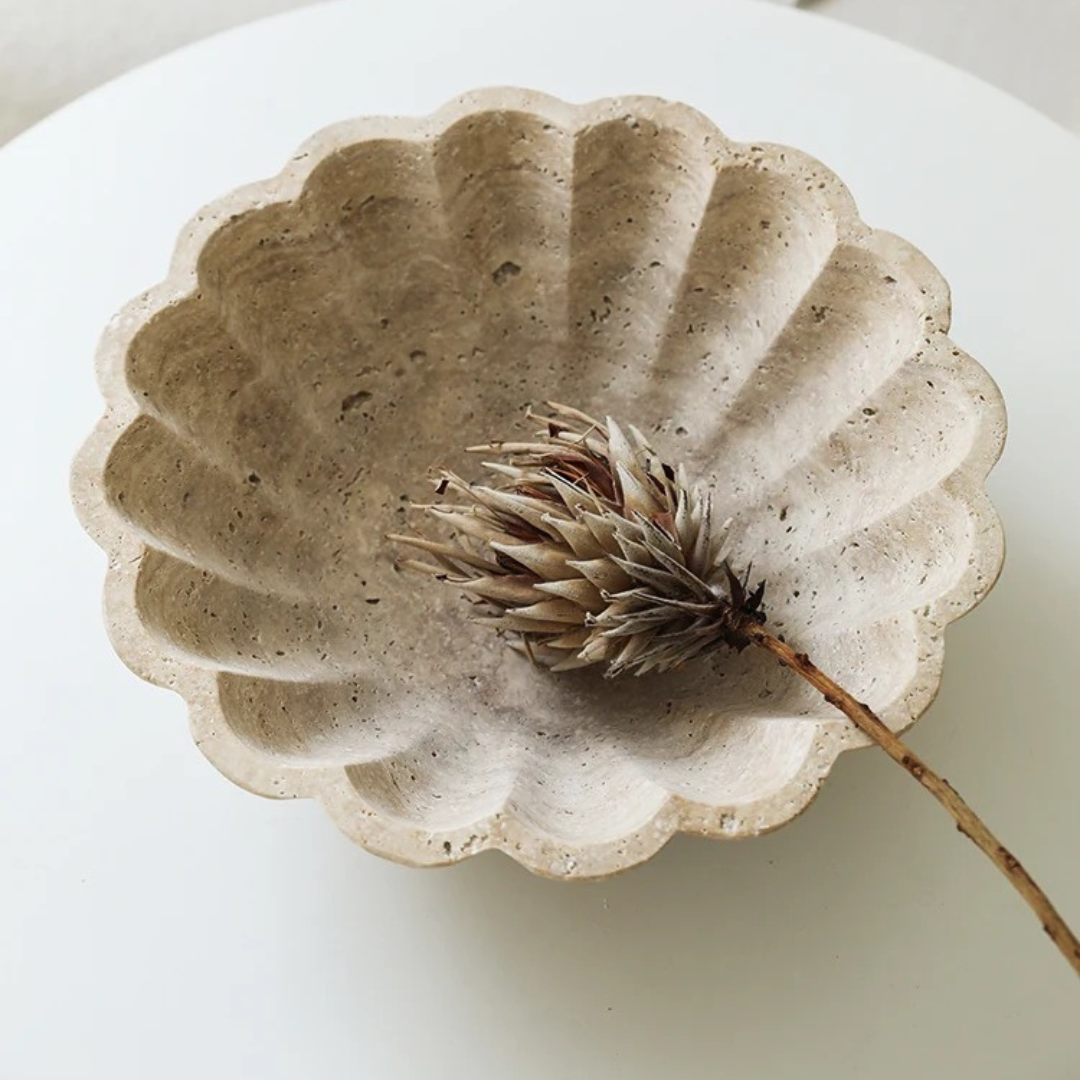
405, 288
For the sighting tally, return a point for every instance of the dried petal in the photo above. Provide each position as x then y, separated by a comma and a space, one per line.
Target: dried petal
580, 590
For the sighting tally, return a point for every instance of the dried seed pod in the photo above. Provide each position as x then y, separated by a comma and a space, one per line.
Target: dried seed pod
587, 548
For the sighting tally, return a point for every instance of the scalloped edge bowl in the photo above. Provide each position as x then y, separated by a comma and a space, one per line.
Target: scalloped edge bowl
562, 856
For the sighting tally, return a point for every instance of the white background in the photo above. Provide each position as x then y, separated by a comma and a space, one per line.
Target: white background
53, 50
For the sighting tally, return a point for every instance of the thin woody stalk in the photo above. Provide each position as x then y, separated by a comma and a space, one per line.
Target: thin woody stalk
967, 821
588, 549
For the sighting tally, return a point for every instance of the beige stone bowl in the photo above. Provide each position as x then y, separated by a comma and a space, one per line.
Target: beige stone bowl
407, 287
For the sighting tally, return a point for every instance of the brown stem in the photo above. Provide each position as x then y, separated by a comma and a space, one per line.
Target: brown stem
967, 821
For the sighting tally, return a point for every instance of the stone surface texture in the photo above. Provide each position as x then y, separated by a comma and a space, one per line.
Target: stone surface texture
406, 287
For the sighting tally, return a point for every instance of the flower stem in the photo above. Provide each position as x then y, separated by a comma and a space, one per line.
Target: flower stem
967, 821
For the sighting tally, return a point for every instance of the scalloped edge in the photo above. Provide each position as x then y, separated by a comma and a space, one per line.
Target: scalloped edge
539, 853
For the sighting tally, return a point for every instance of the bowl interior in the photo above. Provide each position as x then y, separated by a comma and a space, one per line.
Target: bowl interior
415, 298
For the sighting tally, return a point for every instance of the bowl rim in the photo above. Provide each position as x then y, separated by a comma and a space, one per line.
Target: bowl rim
405, 842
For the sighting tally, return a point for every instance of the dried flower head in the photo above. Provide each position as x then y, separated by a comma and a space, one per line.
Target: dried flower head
588, 549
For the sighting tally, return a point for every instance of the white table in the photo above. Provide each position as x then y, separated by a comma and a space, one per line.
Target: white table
159, 922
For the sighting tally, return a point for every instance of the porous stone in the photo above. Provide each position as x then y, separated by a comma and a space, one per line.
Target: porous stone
406, 287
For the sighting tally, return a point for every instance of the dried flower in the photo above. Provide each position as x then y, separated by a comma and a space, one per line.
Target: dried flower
589, 549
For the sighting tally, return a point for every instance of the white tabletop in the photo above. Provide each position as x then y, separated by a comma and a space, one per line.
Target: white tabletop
159, 922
